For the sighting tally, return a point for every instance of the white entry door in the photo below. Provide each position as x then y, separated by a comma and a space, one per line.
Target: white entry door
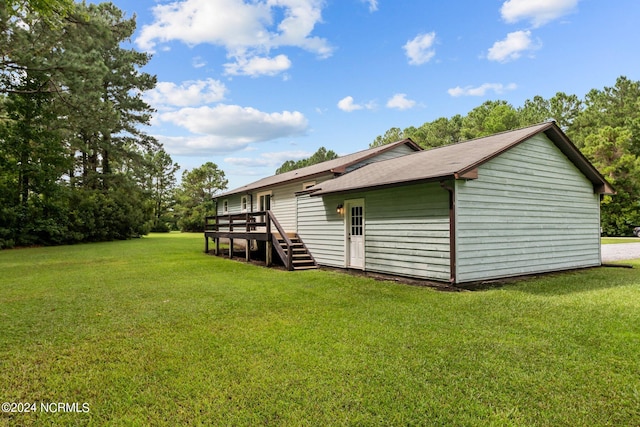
355, 233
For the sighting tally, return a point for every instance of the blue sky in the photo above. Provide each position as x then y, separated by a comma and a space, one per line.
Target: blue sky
250, 84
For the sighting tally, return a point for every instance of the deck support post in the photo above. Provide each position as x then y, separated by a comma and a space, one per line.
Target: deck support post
206, 244
217, 241
230, 248
269, 252
248, 250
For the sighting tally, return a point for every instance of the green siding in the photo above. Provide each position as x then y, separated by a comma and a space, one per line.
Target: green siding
406, 230
283, 204
530, 210
322, 229
234, 205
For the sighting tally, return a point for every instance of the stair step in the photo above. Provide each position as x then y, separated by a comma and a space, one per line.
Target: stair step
301, 259
295, 244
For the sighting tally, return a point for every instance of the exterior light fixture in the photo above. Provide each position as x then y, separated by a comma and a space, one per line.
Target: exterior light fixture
340, 209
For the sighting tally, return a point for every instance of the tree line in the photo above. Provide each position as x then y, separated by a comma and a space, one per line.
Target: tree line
75, 162
604, 125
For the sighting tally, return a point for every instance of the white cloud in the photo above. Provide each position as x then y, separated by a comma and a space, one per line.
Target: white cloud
420, 49
400, 102
188, 93
200, 145
247, 30
198, 62
257, 66
347, 104
498, 88
538, 12
239, 124
268, 159
373, 5
512, 47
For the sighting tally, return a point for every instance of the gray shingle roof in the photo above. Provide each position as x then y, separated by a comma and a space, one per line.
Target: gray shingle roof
454, 161
337, 166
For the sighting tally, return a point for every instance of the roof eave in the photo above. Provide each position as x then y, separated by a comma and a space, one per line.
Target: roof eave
336, 171
564, 144
438, 178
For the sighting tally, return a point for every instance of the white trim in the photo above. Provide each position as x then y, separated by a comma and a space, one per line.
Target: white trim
264, 193
225, 206
347, 230
244, 203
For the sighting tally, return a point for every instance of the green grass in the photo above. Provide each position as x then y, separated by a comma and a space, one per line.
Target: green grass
613, 240
154, 332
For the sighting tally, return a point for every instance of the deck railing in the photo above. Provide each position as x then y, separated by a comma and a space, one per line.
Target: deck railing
250, 225
247, 222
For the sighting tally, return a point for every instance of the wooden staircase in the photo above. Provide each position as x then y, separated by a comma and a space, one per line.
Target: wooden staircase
301, 258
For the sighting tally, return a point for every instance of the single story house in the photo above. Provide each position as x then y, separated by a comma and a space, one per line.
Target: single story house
519, 202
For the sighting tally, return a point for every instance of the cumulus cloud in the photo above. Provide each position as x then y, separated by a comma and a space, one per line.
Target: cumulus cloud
241, 124
268, 159
498, 88
200, 145
400, 102
257, 66
188, 93
420, 49
348, 104
538, 12
247, 30
512, 47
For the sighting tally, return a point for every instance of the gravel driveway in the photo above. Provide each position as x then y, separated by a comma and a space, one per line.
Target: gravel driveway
620, 251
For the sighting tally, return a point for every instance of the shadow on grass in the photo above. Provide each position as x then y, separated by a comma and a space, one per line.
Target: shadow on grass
569, 282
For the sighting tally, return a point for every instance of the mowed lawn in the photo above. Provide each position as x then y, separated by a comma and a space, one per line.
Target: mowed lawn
154, 332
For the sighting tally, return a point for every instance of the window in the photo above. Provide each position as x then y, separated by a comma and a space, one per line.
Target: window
307, 185
243, 203
225, 206
264, 201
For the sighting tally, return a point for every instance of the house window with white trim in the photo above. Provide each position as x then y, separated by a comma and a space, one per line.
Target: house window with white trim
225, 206
243, 203
264, 201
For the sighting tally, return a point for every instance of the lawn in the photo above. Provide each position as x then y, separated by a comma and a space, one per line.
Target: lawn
153, 332
613, 240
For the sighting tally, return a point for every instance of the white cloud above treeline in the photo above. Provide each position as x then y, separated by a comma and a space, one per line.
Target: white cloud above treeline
420, 49
258, 66
348, 104
238, 123
272, 159
399, 101
247, 30
481, 90
195, 106
186, 94
537, 12
512, 47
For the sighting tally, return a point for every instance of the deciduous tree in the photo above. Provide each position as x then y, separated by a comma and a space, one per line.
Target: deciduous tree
195, 195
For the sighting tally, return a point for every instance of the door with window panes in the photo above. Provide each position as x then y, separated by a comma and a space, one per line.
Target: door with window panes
355, 233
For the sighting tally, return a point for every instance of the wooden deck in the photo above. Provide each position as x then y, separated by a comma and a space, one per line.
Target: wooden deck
259, 226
